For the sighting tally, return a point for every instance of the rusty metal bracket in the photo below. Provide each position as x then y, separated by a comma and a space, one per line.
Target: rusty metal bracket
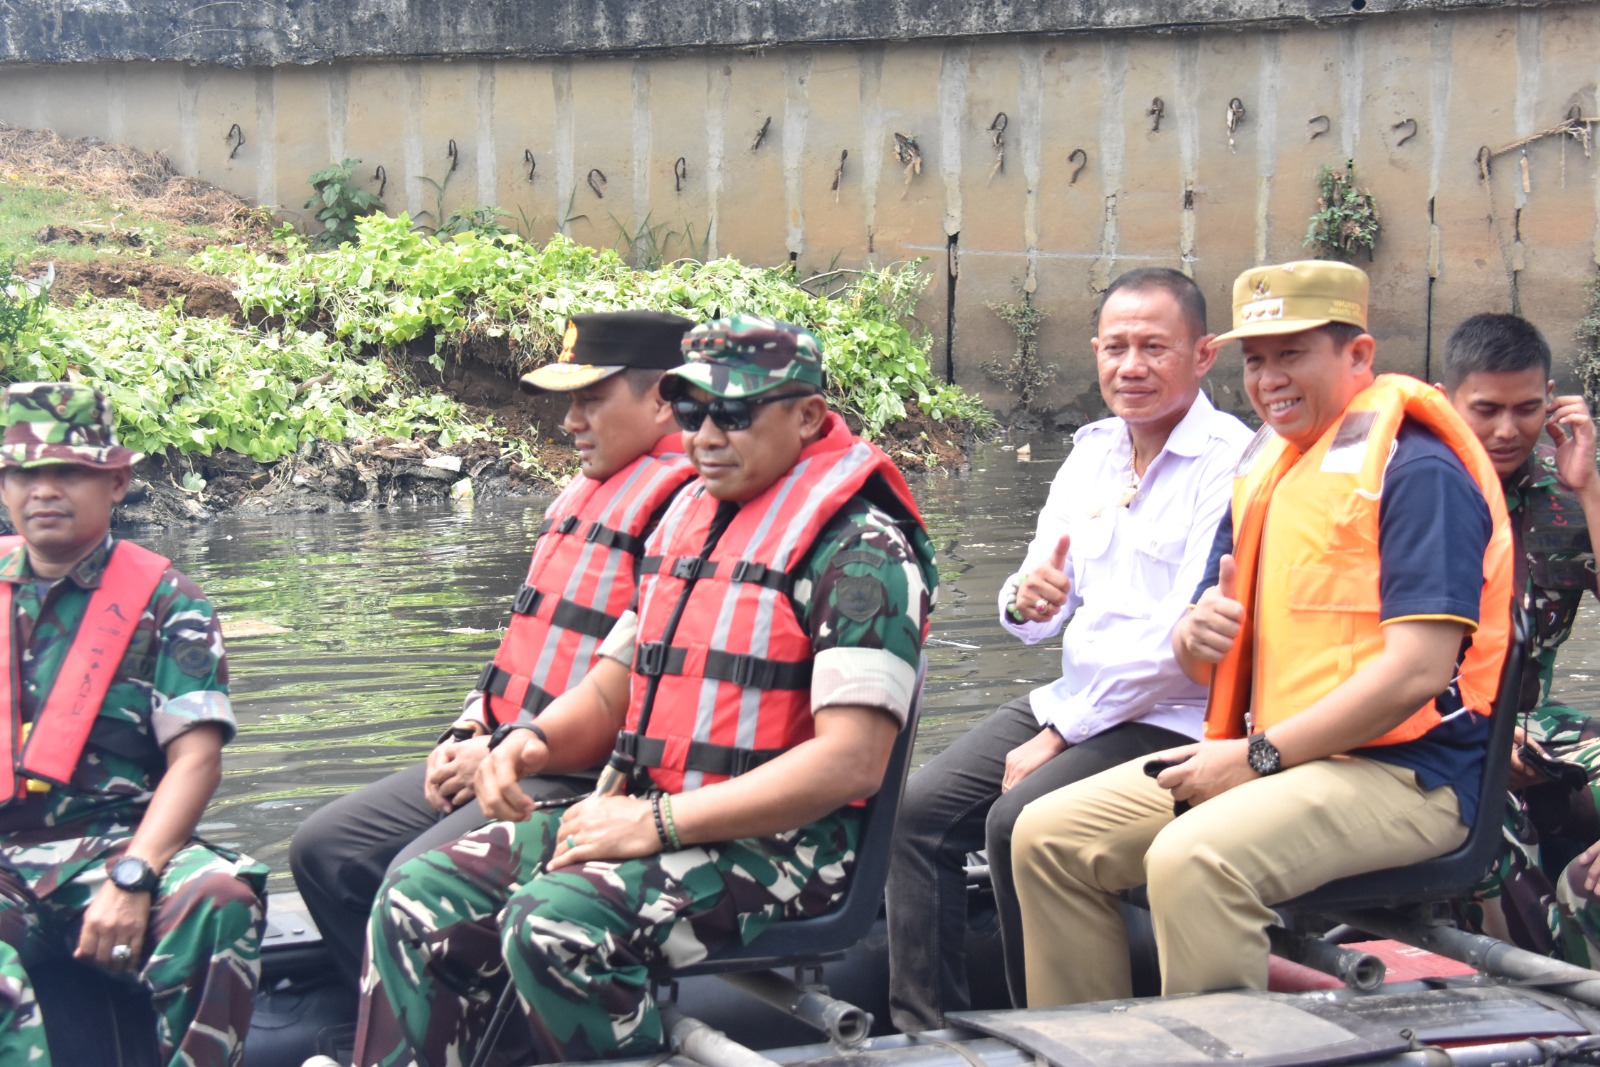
533, 165
455, 155
1327, 124
234, 131
761, 134
1157, 108
381, 176
1235, 118
590, 177
1413, 132
1083, 161
680, 174
838, 174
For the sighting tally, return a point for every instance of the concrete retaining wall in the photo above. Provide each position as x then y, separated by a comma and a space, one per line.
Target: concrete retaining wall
1411, 97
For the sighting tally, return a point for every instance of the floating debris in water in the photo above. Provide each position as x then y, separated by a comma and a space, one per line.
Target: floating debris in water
469, 630
234, 629
942, 642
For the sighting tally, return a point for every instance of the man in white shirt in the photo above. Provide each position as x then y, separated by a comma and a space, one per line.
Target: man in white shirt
1121, 544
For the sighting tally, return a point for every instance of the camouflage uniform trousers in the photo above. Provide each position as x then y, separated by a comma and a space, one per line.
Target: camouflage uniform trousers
202, 952
1516, 901
580, 943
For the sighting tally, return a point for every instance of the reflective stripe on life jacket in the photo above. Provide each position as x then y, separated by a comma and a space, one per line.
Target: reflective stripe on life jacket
580, 581
61, 729
732, 685
1308, 567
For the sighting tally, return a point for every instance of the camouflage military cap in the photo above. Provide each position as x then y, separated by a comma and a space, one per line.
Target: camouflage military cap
745, 355
54, 422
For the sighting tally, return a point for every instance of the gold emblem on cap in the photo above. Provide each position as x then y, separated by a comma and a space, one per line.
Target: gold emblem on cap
567, 341
1262, 289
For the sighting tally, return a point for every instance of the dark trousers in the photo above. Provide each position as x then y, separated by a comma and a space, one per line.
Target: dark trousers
954, 806
340, 853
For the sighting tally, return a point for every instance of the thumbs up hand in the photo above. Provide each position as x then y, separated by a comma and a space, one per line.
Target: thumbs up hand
1044, 590
1208, 632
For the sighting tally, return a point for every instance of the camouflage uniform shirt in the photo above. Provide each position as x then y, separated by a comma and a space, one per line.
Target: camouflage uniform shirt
1555, 543
863, 595
173, 678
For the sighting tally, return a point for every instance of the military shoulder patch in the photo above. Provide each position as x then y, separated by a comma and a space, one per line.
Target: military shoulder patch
859, 597
193, 657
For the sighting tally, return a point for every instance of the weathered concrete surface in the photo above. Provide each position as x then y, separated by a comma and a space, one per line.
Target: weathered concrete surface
1048, 222
277, 32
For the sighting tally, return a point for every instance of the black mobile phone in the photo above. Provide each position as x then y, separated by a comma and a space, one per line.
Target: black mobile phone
1154, 767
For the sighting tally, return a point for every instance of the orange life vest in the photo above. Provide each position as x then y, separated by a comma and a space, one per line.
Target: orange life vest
580, 581
1308, 569
60, 730
722, 668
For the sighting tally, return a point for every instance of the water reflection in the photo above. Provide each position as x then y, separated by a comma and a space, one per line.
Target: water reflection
380, 609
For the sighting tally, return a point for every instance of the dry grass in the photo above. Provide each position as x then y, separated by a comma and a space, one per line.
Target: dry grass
130, 179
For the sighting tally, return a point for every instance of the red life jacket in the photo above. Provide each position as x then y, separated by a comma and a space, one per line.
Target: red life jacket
61, 729
580, 581
732, 687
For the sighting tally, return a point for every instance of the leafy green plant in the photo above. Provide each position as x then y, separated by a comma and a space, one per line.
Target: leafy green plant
395, 286
21, 304
483, 220
1346, 220
1024, 373
339, 201
1587, 333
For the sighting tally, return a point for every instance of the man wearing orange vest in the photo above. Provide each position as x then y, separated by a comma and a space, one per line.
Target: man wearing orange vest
1352, 625
117, 693
757, 686
580, 580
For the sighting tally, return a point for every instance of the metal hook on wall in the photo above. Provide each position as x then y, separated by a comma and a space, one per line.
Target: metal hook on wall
838, 174
998, 128
1157, 108
680, 174
1327, 124
381, 176
454, 154
234, 131
527, 157
595, 172
1235, 118
761, 134
1405, 122
1083, 161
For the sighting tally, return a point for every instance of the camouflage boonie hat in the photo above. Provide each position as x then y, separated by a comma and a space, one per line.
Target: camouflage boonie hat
745, 355
53, 422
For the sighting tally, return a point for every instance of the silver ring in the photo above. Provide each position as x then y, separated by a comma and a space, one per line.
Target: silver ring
120, 953
572, 842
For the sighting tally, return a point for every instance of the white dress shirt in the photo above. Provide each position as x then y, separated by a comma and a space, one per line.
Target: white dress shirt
1134, 568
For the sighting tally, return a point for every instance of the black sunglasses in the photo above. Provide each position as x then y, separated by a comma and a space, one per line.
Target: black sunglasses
727, 413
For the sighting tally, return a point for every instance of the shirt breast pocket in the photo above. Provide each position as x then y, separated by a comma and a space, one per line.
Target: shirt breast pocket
1156, 560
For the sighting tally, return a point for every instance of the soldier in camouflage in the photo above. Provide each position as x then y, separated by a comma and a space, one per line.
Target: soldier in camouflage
1497, 370
578, 908
103, 864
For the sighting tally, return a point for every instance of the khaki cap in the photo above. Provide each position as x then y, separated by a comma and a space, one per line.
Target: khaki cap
1292, 297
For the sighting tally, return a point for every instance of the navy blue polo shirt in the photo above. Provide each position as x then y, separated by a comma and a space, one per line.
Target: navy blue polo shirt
1433, 528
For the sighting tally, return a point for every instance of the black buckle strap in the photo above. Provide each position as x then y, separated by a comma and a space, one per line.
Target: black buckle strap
495, 680
702, 756
650, 564
527, 601
760, 574
567, 525
486, 678
610, 538
589, 621
755, 672
650, 658
690, 568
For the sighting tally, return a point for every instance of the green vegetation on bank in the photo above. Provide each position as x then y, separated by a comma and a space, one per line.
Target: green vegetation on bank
398, 286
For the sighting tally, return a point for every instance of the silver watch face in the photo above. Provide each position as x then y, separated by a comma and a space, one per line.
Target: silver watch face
129, 873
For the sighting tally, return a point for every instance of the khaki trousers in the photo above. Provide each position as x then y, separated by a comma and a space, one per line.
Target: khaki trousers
1211, 874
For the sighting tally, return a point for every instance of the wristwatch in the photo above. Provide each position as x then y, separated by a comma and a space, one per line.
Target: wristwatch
456, 733
133, 875
506, 729
1264, 756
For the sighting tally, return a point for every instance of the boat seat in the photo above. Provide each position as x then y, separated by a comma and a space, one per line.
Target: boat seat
804, 942
1453, 874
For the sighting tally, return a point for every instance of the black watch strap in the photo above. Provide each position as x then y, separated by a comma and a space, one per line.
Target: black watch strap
456, 733
133, 875
506, 729
1264, 756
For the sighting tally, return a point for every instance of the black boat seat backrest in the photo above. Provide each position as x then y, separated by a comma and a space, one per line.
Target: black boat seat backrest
799, 941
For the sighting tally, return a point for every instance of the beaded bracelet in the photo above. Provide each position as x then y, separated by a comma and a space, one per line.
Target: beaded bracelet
661, 828
672, 830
